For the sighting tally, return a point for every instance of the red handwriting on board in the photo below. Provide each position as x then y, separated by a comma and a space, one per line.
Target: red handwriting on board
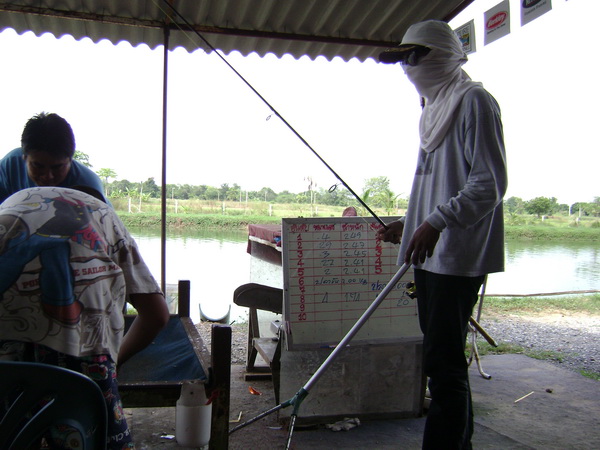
299, 227
301, 281
378, 253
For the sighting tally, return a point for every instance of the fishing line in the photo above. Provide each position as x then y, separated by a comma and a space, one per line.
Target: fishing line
287, 124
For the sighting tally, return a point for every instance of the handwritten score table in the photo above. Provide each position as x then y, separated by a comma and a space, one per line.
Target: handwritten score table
334, 268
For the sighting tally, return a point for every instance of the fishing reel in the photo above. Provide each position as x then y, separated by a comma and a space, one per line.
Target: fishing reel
411, 289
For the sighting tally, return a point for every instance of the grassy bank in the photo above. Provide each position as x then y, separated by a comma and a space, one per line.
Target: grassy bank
550, 229
543, 231
585, 304
194, 221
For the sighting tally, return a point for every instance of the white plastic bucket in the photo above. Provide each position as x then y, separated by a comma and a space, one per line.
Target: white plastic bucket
192, 415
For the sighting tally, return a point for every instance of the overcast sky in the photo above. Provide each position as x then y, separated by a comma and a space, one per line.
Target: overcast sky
362, 118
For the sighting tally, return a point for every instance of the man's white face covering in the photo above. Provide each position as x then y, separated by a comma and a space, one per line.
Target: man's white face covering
432, 73
438, 77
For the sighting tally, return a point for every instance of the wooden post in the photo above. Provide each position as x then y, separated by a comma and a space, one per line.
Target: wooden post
183, 302
221, 386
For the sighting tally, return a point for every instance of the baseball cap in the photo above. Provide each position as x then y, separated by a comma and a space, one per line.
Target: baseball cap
429, 34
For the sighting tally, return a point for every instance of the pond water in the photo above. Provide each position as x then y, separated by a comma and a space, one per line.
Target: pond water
216, 263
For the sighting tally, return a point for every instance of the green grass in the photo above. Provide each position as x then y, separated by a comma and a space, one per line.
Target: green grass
498, 306
484, 348
592, 375
589, 304
540, 231
235, 221
193, 221
545, 355
206, 214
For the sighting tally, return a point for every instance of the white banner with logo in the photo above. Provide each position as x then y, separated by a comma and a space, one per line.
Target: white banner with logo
532, 9
497, 22
466, 34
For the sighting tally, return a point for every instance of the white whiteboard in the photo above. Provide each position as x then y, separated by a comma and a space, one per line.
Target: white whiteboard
333, 269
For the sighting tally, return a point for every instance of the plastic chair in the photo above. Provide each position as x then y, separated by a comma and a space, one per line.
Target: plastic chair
39, 396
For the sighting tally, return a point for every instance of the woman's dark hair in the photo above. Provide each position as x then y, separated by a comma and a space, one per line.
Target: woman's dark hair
48, 133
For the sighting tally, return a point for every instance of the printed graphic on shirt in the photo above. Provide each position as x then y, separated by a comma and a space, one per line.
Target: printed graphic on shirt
64, 260
64, 221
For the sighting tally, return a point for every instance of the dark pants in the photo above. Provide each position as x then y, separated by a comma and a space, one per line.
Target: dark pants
445, 304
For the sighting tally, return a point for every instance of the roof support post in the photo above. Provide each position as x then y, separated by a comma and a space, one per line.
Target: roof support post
163, 190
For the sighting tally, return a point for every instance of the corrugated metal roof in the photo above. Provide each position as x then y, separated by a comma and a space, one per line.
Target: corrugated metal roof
344, 28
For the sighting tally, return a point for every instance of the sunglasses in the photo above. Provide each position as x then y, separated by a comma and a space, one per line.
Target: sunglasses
412, 57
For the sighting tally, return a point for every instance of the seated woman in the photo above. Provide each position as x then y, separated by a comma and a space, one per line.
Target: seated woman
68, 267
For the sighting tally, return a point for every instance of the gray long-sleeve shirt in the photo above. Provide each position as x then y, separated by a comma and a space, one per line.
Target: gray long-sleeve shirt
458, 188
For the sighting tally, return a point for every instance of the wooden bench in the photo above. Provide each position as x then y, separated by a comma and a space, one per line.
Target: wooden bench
258, 297
154, 376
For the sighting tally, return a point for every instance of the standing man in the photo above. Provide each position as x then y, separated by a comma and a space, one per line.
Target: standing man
68, 267
453, 231
45, 158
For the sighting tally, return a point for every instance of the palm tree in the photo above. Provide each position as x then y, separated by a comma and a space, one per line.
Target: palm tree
105, 174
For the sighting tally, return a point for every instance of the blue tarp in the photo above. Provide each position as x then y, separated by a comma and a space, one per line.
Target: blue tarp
170, 357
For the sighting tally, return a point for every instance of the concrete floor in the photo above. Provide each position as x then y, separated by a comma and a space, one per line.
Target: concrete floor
562, 412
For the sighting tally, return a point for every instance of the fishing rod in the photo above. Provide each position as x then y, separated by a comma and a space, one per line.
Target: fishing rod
287, 124
303, 392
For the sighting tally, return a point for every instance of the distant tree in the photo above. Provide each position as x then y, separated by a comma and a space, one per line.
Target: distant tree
150, 188
173, 191
105, 174
283, 197
402, 202
183, 193
377, 189
587, 209
366, 198
120, 188
254, 195
267, 194
339, 196
83, 158
377, 192
540, 206
223, 190
555, 206
388, 199
561, 208
234, 193
199, 192
303, 197
514, 205
594, 207
377, 184
211, 193
576, 208
135, 191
